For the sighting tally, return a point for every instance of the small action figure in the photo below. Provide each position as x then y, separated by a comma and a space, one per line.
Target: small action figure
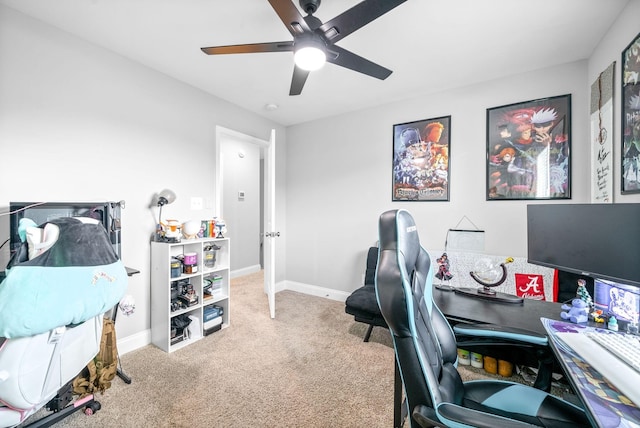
583, 294
443, 273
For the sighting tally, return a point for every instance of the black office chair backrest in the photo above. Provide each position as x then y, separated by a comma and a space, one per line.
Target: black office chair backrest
424, 343
370, 271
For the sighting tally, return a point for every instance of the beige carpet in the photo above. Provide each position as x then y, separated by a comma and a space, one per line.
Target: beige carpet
307, 368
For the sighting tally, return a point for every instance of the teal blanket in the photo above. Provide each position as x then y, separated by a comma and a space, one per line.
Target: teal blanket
77, 278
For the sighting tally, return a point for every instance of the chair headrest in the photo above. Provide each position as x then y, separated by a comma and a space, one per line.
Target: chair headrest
398, 231
403, 268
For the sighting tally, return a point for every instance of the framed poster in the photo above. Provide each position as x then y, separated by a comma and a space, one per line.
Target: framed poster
421, 160
529, 150
631, 117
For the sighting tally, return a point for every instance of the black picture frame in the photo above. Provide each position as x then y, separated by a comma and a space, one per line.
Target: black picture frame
529, 150
421, 166
630, 81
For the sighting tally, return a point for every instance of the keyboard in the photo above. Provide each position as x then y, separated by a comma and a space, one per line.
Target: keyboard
619, 374
624, 346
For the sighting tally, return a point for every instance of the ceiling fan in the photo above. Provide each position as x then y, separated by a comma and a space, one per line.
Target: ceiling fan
317, 40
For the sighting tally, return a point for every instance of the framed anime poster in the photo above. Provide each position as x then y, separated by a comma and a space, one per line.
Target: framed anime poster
529, 150
421, 160
631, 118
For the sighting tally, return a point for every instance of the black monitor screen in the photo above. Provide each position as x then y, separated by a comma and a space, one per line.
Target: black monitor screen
596, 240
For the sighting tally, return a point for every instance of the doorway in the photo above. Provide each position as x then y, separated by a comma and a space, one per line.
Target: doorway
240, 196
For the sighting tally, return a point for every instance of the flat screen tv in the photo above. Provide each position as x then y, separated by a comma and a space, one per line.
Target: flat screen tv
595, 240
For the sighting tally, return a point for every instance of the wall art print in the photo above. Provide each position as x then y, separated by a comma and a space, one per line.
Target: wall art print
529, 150
421, 160
602, 137
631, 118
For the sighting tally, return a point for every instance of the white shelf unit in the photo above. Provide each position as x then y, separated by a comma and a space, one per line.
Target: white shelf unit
161, 282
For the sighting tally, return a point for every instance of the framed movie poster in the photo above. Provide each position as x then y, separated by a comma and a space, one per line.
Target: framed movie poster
421, 160
631, 117
529, 150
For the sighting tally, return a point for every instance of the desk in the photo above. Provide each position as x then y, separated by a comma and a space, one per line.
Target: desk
599, 397
461, 308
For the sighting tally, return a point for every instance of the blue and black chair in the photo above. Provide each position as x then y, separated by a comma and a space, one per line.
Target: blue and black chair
426, 350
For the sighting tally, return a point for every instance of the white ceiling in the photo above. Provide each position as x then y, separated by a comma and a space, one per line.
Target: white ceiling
430, 45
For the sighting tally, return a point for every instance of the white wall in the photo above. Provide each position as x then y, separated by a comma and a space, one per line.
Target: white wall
242, 216
348, 184
79, 123
339, 176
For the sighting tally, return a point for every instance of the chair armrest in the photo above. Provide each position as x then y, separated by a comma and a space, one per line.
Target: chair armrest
475, 418
501, 332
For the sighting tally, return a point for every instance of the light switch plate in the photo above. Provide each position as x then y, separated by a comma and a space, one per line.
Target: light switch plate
196, 203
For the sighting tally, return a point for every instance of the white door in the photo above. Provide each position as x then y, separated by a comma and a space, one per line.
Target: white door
270, 229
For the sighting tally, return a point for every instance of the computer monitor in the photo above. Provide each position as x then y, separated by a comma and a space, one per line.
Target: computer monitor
595, 240
619, 300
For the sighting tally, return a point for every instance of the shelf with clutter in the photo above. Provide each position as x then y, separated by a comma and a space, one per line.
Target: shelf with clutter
190, 290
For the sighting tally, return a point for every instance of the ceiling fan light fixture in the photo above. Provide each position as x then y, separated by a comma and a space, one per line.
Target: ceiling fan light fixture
310, 56
313, 41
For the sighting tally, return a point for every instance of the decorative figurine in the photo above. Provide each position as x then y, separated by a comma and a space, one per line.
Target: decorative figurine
583, 294
443, 273
577, 313
221, 227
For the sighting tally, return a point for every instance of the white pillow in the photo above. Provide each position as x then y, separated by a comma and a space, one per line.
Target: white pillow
88, 220
49, 237
34, 237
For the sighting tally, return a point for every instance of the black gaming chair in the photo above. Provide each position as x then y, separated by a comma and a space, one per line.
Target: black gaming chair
362, 303
426, 354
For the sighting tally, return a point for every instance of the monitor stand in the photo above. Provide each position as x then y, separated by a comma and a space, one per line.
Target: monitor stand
487, 293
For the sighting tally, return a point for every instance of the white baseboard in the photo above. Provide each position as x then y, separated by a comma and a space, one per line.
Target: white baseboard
245, 271
314, 290
133, 342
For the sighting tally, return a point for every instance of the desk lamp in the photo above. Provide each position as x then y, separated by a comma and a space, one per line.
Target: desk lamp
164, 198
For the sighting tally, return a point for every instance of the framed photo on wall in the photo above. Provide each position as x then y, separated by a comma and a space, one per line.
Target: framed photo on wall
421, 160
631, 118
529, 150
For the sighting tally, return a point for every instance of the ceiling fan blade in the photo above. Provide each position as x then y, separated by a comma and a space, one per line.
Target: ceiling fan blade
297, 82
344, 58
290, 16
358, 16
249, 48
